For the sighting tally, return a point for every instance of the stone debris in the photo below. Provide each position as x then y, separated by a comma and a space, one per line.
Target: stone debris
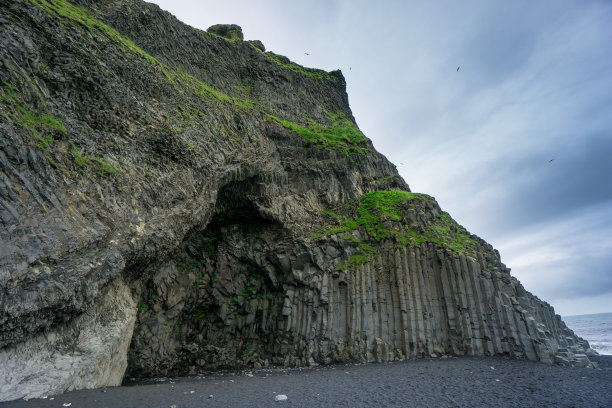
573, 357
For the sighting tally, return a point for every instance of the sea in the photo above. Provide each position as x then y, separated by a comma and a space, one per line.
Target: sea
595, 328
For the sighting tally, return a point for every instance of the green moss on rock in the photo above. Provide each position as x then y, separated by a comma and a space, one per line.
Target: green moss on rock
100, 165
444, 232
312, 73
341, 134
383, 215
373, 210
80, 16
41, 125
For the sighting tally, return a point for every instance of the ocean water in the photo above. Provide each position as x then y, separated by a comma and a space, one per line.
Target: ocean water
595, 328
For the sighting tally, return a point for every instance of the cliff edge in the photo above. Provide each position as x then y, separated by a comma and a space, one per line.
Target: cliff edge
174, 201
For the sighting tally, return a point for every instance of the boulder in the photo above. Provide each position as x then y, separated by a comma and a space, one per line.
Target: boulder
230, 31
258, 44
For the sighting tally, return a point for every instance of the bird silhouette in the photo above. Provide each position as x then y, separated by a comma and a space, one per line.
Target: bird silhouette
306, 53
551, 160
458, 68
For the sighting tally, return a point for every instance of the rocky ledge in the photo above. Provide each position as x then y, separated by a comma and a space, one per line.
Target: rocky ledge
174, 201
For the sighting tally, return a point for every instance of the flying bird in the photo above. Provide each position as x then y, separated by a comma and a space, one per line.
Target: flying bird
551, 160
306, 53
458, 68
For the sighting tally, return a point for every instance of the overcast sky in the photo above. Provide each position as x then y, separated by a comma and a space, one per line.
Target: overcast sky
534, 85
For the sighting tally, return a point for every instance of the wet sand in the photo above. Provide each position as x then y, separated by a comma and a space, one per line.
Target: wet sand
439, 382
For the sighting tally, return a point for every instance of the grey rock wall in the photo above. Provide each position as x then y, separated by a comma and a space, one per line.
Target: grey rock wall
241, 295
88, 352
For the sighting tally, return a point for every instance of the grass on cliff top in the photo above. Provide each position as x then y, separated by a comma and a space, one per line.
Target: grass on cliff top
179, 79
373, 210
341, 135
444, 232
378, 207
82, 17
193, 85
284, 62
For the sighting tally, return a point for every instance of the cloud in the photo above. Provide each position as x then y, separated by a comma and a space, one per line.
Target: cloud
583, 305
569, 258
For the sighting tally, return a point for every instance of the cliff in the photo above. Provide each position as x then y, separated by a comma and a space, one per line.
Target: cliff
172, 201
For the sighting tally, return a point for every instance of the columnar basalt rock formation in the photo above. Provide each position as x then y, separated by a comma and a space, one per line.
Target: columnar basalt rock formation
172, 201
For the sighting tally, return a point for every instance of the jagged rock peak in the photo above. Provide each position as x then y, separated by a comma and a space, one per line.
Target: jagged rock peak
231, 31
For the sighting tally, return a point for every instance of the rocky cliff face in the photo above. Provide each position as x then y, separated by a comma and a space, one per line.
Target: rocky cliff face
172, 201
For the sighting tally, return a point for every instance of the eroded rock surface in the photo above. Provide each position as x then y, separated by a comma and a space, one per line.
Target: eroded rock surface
89, 351
215, 206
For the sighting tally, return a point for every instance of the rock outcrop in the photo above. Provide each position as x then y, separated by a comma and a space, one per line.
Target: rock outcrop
230, 31
175, 201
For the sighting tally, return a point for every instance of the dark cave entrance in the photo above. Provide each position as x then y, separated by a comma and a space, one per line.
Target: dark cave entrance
217, 302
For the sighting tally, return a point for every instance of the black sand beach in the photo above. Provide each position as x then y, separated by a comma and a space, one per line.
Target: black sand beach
441, 382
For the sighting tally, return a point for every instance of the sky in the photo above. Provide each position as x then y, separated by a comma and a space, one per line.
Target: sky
516, 144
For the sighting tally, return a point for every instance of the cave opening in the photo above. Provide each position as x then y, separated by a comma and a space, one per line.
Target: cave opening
217, 302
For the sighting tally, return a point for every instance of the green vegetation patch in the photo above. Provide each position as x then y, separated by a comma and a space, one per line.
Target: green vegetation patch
185, 82
341, 134
444, 232
181, 81
373, 214
284, 62
234, 39
42, 126
100, 165
81, 17
373, 210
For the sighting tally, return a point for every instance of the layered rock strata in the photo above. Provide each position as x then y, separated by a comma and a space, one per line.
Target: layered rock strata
215, 206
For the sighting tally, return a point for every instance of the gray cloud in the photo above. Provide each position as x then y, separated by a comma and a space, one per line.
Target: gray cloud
537, 190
